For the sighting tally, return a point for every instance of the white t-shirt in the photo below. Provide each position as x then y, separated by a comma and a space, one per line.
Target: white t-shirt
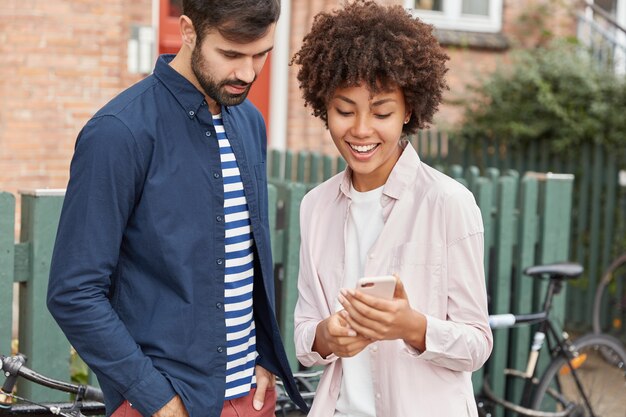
365, 222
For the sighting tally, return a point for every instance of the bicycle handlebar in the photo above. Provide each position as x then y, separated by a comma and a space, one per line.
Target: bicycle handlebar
13, 366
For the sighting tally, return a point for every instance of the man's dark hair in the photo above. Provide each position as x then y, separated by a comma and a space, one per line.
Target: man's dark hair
239, 21
380, 46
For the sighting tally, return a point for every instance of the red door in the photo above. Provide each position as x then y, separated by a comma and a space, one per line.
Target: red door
170, 42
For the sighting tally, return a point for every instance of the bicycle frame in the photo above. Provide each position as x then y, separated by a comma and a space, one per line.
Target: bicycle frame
558, 344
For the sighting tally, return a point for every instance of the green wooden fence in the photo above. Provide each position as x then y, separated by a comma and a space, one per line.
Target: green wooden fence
526, 222
598, 217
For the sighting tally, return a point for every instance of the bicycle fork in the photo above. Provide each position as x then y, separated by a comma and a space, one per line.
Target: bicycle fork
573, 361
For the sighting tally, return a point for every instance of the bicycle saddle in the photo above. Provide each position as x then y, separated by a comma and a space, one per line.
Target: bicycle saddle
567, 270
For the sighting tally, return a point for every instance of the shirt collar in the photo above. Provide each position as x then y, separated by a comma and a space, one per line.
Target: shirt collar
402, 175
187, 95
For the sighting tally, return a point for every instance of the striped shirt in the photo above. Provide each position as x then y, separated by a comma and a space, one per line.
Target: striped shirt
239, 275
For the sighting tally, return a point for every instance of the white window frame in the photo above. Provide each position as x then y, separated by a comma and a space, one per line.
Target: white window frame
451, 17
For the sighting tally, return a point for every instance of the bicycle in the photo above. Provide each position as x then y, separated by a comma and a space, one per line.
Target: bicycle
88, 400
307, 383
577, 381
611, 294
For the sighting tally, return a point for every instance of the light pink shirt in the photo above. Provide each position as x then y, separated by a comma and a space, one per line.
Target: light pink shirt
433, 240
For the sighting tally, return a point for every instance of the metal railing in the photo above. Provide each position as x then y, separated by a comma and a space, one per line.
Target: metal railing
604, 37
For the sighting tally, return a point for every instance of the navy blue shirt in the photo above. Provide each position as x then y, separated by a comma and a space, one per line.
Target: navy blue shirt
137, 275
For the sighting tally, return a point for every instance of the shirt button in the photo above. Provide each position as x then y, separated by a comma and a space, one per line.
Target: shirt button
216, 175
192, 113
220, 349
208, 133
219, 261
374, 348
371, 256
378, 395
218, 306
219, 218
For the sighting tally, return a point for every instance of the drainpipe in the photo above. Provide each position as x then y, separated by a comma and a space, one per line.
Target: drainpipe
279, 79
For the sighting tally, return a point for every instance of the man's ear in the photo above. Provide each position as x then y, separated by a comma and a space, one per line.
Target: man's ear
187, 32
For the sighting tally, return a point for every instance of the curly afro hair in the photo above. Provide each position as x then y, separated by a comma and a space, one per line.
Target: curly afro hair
382, 46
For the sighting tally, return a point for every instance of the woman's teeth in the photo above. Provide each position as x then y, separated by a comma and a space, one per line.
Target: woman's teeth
363, 148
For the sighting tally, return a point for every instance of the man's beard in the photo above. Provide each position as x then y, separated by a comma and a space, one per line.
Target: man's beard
214, 89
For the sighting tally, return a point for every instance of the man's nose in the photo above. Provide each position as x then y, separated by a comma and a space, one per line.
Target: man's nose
246, 72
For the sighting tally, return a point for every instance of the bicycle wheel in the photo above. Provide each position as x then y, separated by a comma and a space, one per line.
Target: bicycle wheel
616, 303
603, 382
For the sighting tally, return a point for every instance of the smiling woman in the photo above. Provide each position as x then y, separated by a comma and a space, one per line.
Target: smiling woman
382, 76
366, 129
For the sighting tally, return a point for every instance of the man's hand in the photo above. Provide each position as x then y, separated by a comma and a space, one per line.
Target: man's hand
264, 380
174, 408
334, 335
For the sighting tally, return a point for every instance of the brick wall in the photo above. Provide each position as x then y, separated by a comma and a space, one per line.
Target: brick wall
63, 59
466, 64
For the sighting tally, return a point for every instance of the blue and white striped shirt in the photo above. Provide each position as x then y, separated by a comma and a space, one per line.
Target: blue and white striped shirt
239, 275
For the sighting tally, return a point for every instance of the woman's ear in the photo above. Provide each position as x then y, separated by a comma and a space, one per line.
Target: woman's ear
407, 116
187, 31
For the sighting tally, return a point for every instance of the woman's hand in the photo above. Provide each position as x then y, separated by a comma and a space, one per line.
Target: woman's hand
379, 319
334, 335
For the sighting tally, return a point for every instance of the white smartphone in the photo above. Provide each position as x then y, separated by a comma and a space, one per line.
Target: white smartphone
381, 286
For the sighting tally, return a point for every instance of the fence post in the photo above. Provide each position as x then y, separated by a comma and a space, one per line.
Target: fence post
291, 262
7, 244
500, 279
555, 237
40, 338
522, 302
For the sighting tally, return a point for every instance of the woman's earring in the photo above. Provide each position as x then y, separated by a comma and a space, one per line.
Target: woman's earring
407, 120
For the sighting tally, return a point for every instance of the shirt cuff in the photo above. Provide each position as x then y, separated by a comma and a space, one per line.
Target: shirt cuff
314, 358
150, 394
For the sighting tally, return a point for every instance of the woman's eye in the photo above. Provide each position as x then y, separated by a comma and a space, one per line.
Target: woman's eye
344, 113
382, 116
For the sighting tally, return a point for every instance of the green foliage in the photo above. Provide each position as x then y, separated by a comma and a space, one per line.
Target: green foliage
556, 94
79, 371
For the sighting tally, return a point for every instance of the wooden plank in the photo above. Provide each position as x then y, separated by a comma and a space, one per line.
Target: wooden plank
439, 141
593, 265
456, 171
7, 242
472, 173
314, 168
272, 203
522, 284
288, 173
341, 164
501, 284
291, 250
610, 191
554, 242
579, 313
40, 337
303, 167
484, 199
327, 167
276, 164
